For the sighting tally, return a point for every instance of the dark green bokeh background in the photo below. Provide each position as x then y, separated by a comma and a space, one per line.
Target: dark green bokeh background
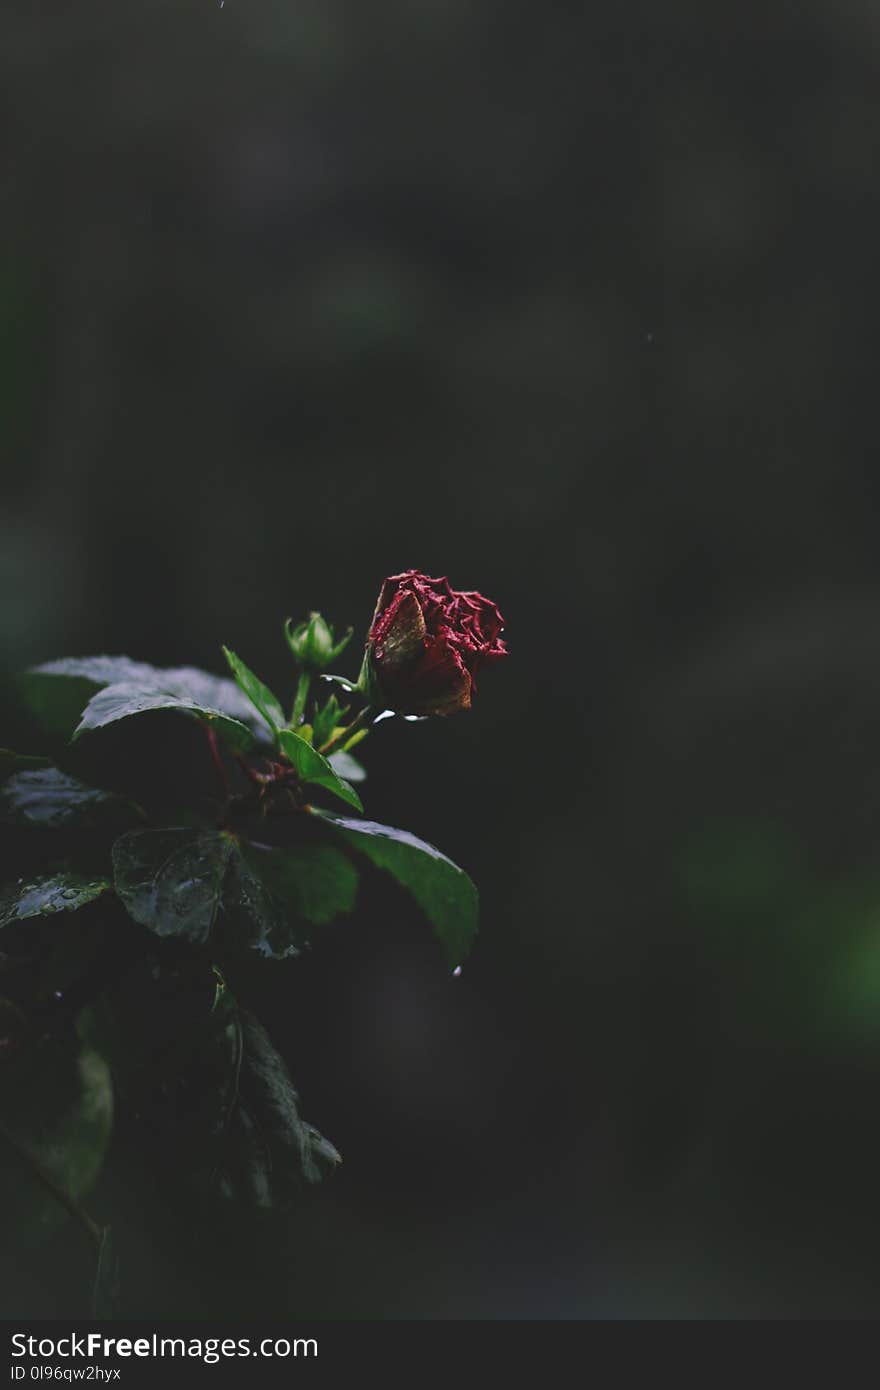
579, 306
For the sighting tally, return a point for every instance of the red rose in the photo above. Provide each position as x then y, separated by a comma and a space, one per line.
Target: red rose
426, 644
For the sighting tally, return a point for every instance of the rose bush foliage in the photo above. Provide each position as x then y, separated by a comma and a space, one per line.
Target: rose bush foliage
131, 908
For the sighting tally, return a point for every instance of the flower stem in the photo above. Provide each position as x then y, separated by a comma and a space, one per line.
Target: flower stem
338, 740
302, 694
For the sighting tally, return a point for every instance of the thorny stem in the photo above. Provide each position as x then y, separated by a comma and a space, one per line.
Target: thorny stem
302, 694
360, 722
58, 1192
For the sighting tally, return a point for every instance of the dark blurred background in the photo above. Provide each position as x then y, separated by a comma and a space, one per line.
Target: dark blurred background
577, 305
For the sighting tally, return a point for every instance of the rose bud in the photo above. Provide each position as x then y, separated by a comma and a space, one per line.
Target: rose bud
426, 643
312, 642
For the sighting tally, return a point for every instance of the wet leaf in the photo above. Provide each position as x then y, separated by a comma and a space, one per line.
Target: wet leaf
57, 692
125, 700
38, 897
281, 1149
171, 881
50, 798
444, 892
259, 919
316, 883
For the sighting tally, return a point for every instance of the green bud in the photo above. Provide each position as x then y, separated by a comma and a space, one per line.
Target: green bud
312, 642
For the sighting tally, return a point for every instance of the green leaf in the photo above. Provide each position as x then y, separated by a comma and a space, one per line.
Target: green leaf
18, 762
444, 892
260, 696
328, 718
314, 882
57, 1112
215, 692
55, 701
99, 670
272, 896
172, 880
257, 917
57, 692
50, 798
312, 766
175, 881
122, 701
362, 734
296, 1149
38, 897
347, 766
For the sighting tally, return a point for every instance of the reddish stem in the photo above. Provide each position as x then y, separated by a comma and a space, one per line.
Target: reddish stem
217, 758
257, 778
